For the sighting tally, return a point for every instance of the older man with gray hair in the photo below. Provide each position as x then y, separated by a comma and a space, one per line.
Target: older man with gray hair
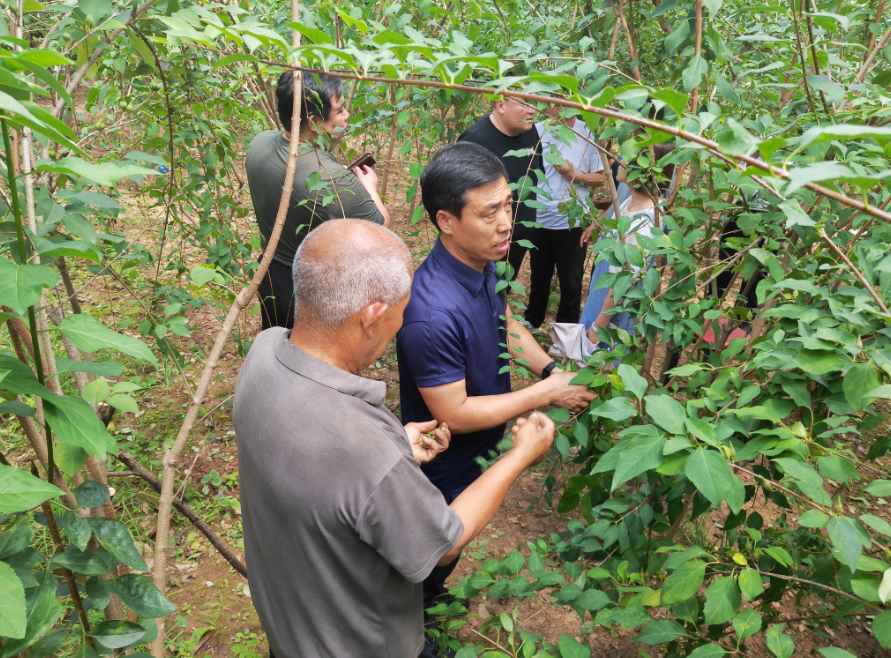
340, 525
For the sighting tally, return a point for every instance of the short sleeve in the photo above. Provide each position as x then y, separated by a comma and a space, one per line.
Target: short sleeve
407, 521
593, 162
351, 199
434, 350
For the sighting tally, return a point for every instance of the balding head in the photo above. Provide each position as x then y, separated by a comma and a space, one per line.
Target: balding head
343, 266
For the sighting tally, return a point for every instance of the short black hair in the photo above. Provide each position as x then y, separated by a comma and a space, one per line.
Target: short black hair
452, 171
318, 92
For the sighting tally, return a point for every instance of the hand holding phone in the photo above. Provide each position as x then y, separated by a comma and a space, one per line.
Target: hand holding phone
364, 161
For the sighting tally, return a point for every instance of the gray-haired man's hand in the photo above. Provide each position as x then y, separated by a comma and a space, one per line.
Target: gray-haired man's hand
423, 446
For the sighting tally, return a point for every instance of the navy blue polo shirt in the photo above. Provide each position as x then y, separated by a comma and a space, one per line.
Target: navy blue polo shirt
451, 331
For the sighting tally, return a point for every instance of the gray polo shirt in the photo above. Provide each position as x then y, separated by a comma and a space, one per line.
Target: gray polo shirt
340, 525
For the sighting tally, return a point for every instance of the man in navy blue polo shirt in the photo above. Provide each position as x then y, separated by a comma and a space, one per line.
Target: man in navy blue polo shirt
451, 340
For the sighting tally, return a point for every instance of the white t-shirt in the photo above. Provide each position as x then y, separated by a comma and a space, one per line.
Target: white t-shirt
642, 222
582, 155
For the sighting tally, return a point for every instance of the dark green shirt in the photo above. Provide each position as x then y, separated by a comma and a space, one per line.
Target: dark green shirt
335, 194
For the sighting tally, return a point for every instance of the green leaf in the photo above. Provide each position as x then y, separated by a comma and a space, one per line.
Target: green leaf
714, 6
98, 591
879, 488
779, 643
707, 651
96, 391
572, 648
140, 595
117, 540
592, 599
77, 529
709, 472
837, 468
17, 408
616, 409
859, 381
750, 583
73, 421
813, 519
642, 453
70, 459
13, 620
881, 628
877, 524
125, 403
106, 174
660, 632
667, 413
100, 368
795, 216
736, 140
632, 382
21, 285
90, 335
815, 172
15, 376
683, 583
846, 541
15, 539
676, 100
834, 92
835, 652
818, 362
91, 494
747, 623
671, 44
722, 600
20, 491
81, 562
48, 645
42, 614
513, 565
692, 75
117, 634
202, 274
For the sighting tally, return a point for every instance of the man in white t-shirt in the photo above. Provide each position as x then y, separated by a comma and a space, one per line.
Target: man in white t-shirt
558, 245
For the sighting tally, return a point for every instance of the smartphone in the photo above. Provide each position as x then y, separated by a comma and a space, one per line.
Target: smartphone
366, 160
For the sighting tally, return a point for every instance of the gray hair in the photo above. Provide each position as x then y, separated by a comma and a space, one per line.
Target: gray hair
339, 270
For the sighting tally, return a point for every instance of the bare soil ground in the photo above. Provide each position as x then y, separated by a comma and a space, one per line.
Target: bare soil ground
217, 618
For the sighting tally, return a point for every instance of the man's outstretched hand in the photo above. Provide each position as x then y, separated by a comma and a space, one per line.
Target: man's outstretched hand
424, 447
533, 436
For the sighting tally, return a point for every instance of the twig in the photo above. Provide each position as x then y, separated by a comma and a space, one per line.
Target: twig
493, 642
166, 502
216, 541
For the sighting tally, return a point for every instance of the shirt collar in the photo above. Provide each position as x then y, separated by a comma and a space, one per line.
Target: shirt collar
305, 365
464, 274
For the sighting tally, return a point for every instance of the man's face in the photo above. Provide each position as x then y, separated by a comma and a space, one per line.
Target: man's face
517, 113
482, 234
335, 125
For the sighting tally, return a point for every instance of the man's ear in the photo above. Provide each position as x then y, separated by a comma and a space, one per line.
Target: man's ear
446, 221
370, 315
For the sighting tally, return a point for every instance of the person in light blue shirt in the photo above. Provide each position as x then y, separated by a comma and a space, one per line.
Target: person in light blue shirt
557, 243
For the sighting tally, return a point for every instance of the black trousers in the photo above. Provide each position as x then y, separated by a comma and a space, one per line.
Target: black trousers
556, 249
276, 294
516, 254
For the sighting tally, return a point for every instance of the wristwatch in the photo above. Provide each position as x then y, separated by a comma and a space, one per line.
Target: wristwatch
548, 369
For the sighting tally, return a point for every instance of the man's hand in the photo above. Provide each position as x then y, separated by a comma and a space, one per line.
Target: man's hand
533, 436
423, 447
574, 397
586, 236
567, 171
367, 176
